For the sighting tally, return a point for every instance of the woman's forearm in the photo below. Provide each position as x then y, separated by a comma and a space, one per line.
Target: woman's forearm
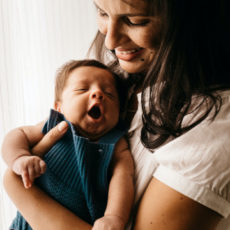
40, 211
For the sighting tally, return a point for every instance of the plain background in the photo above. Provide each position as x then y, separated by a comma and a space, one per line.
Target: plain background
36, 37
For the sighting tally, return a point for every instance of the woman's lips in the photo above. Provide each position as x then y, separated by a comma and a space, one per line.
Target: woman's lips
128, 55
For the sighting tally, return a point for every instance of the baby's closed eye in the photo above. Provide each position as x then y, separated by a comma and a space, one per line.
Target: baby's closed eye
81, 90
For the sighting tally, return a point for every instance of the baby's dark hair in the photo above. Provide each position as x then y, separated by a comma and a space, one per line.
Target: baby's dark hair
64, 71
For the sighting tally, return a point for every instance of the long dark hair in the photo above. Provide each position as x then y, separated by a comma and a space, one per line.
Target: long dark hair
188, 69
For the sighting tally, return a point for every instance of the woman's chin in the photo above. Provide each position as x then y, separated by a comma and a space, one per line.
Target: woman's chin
134, 66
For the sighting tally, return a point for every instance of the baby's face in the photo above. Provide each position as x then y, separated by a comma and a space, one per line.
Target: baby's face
90, 101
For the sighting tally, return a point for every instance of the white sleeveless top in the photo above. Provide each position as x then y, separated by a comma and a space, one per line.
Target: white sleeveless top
196, 164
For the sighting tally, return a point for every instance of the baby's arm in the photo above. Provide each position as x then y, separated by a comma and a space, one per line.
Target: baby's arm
121, 190
16, 151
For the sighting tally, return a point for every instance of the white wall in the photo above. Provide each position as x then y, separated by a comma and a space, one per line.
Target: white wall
36, 37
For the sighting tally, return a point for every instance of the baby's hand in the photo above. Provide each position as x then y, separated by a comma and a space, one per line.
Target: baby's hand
109, 223
29, 167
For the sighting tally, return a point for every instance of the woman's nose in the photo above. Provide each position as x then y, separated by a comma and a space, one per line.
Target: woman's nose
114, 36
97, 94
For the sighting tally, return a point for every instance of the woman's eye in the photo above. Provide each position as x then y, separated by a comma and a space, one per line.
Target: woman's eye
101, 13
133, 22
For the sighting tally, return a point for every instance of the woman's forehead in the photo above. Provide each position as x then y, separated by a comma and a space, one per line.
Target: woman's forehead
123, 6
147, 6
135, 3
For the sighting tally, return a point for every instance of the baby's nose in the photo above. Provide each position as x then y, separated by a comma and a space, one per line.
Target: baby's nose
97, 94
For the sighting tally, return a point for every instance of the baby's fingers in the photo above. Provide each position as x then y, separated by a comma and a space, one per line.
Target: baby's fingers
42, 166
37, 168
32, 173
50, 139
26, 179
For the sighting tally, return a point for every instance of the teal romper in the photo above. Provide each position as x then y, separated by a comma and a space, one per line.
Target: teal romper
77, 173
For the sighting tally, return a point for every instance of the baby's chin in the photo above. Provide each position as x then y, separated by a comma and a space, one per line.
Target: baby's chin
92, 136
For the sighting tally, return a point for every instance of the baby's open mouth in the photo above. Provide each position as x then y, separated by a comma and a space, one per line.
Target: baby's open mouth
95, 112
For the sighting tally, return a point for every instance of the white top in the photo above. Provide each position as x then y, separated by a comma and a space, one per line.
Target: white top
196, 164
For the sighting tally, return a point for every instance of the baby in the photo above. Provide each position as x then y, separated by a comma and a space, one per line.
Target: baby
90, 170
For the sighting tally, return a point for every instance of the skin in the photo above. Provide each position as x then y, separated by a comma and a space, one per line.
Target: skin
85, 88
161, 207
127, 28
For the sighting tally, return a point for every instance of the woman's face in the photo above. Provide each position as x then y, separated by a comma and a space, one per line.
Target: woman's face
133, 34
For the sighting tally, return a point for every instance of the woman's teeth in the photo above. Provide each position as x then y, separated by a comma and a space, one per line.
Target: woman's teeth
130, 51
128, 55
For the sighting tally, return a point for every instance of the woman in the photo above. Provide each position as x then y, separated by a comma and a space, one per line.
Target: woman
180, 132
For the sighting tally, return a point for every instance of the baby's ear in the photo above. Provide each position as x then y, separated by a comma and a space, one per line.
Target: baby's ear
57, 106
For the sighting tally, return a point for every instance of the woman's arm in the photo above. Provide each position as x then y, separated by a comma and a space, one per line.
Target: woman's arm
41, 211
162, 208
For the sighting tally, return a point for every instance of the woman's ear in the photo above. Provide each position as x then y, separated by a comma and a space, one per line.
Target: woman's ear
57, 106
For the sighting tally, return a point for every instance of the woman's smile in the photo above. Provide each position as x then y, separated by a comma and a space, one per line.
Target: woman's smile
128, 54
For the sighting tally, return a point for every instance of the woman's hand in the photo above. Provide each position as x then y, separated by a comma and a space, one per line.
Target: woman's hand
48, 140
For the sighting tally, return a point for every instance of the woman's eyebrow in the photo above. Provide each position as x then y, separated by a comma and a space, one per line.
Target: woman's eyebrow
95, 4
126, 14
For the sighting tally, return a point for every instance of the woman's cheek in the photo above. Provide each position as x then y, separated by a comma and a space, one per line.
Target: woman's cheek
102, 26
150, 40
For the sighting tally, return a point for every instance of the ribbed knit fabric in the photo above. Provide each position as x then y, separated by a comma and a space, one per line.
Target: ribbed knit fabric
77, 174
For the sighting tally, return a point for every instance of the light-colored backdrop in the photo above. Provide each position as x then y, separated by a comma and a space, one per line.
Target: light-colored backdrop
36, 37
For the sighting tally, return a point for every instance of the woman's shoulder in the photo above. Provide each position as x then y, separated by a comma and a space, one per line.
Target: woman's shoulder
197, 163
209, 130
208, 139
